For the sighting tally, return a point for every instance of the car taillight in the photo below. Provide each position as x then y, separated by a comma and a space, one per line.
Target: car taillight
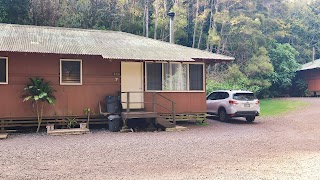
233, 102
258, 102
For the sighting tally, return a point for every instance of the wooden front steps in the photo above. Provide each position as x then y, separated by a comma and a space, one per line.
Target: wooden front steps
146, 115
164, 122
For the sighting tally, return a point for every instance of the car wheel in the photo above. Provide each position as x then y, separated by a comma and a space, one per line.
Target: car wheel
250, 118
223, 116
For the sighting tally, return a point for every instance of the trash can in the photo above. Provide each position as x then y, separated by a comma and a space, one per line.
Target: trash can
113, 104
114, 123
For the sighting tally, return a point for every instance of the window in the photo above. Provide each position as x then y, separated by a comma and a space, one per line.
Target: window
174, 76
70, 72
244, 96
212, 96
196, 76
3, 70
154, 74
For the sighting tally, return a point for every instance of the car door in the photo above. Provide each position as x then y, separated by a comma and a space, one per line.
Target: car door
209, 102
217, 102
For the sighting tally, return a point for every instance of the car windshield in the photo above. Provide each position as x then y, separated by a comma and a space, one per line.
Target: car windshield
244, 96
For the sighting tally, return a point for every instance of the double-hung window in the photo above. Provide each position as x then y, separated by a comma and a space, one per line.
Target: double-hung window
70, 72
174, 76
3, 70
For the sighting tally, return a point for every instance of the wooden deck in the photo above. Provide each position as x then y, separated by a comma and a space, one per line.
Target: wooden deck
23, 124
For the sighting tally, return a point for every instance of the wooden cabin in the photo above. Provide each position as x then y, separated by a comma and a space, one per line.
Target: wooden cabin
84, 66
310, 72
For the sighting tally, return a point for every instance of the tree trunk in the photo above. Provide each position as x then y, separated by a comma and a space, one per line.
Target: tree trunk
200, 36
195, 25
210, 23
156, 19
221, 41
147, 18
163, 30
214, 21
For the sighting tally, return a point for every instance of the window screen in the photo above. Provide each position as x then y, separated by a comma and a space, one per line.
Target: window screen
196, 76
3, 70
154, 76
175, 77
71, 72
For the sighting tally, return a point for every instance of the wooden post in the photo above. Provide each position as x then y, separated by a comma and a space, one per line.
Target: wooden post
2, 126
174, 113
128, 101
154, 101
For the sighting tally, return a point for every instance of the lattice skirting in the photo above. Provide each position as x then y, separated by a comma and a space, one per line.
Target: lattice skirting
198, 117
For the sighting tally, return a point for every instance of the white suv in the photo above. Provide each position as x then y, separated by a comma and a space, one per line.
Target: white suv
230, 103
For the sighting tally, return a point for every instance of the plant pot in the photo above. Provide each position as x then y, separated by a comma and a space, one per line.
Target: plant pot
50, 127
83, 125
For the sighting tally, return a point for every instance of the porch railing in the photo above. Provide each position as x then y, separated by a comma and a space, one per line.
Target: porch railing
154, 103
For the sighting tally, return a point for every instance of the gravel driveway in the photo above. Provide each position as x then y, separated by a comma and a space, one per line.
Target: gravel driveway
286, 147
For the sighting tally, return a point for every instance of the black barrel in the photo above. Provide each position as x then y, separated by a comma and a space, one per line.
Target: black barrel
113, 104
114, 123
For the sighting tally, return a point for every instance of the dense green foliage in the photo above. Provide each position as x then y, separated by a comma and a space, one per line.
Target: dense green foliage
268, 38
273, 107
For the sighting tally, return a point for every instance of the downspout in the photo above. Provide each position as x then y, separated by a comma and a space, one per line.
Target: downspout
171, 15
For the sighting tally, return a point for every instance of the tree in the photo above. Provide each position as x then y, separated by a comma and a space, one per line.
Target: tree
14, 11
259, 70
38, 92
283, 58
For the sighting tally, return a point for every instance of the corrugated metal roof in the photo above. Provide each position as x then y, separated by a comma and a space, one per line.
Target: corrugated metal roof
108, 44
311, 65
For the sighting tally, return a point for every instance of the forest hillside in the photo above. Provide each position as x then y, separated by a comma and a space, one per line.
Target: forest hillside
270, 39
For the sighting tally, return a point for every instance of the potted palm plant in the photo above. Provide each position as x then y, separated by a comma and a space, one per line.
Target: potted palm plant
38, 92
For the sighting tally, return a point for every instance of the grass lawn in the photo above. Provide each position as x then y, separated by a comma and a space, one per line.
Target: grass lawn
273, 107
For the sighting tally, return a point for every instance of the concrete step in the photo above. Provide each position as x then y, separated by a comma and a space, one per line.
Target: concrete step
164, 122
3, 135
58, 132
177, 128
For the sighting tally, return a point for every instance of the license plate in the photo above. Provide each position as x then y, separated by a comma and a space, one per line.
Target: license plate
246, 105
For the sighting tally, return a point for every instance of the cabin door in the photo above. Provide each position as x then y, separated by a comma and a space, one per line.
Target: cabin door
132, 81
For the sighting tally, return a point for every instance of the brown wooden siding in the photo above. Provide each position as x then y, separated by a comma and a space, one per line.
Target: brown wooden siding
186, 102
312, 77
98, 82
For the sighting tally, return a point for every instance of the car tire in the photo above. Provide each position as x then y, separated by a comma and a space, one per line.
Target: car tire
250, 118
223, 116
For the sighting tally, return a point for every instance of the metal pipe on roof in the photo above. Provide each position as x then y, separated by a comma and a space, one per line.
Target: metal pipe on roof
171, 15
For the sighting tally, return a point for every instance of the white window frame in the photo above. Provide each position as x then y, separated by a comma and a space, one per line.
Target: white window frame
7, 71
70, 84
188, 79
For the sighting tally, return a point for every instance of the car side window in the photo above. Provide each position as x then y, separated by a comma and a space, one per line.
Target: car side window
222, 95
218, 96
212, 96
225, 95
